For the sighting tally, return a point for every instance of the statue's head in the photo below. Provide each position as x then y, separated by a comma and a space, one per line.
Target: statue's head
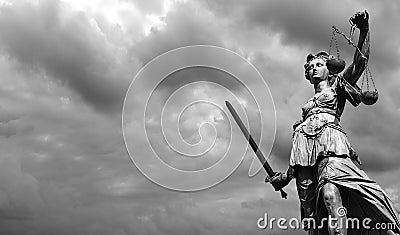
315, 67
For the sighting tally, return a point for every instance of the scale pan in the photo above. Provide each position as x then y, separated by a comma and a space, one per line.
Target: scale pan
369, 97
335, 66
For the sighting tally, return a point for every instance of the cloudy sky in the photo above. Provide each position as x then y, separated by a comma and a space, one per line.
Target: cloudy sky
66, 67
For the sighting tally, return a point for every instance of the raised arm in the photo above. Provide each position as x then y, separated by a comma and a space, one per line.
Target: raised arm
354, 71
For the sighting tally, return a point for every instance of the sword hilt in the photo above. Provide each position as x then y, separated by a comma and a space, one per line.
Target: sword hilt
283, 194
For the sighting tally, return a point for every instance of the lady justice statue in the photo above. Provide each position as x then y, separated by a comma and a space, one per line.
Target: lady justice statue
326, 168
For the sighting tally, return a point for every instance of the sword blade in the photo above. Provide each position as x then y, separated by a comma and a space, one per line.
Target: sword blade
253, 144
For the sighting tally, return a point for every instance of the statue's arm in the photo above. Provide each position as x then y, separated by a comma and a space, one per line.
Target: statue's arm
355, 70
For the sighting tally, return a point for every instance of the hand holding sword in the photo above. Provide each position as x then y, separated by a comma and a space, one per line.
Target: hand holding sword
253, 145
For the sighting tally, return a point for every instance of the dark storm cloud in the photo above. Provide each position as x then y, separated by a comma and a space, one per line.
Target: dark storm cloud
301, 23
307, 23
296, 21
64, 43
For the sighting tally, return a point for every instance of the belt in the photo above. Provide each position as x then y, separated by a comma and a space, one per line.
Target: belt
318, 111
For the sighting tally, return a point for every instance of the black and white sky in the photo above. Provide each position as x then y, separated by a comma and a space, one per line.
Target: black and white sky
66, 67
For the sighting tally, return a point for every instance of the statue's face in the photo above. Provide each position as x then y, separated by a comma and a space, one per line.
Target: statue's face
317, 70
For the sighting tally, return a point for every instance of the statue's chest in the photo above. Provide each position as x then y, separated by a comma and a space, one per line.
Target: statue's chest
324, 100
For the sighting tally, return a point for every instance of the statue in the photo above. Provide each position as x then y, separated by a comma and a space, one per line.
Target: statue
325, 166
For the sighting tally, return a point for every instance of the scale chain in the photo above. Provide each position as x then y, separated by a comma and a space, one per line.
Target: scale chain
350, 42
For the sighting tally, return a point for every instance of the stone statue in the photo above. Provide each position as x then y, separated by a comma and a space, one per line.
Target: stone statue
325, 166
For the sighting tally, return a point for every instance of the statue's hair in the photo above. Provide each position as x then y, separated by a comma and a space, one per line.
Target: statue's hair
320, 55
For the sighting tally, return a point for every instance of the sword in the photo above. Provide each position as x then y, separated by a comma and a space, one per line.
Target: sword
253, 145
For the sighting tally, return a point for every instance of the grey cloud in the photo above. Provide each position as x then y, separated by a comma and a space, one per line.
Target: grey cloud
185, 25
374, 135
64, 43
9, 114
19, 192
8, 129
